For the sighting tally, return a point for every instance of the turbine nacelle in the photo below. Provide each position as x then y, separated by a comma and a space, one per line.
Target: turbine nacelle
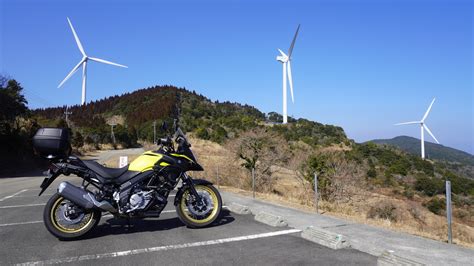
282, 57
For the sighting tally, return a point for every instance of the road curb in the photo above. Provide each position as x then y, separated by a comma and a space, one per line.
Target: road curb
325, 238
239, 209
389, 258
270, 219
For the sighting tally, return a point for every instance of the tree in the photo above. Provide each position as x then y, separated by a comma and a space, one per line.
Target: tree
275, 117
12, 101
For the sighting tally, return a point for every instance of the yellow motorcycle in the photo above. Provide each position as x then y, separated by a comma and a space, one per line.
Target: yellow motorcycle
139, 190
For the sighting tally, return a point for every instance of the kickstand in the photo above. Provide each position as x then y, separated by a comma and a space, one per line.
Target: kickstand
129, 224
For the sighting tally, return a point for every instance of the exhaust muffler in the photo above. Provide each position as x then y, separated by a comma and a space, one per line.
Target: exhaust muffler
83, 198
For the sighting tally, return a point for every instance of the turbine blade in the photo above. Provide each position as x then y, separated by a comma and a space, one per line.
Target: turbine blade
429, 132
77, 38
282, 53
290, 80
106, 62
293, 42
428, 111
71, 73
408, 123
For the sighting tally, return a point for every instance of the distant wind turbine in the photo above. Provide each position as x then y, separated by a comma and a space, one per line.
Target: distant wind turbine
83, 62
286, 61
423, 127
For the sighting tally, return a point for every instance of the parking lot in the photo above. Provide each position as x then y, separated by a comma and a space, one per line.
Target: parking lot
233, 239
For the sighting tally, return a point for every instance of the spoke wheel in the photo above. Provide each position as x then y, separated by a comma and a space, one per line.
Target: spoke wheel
66, 220
195, 213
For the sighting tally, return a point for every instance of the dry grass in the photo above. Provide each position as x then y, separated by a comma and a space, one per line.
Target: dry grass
409, 215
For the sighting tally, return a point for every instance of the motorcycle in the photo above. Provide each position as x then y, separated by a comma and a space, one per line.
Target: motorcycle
137, 190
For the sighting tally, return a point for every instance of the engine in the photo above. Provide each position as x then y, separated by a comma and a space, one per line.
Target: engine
140, 200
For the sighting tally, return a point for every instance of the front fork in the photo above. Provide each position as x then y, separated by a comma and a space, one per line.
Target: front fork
188, 181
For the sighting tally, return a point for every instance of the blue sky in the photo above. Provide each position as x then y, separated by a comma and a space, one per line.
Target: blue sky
362, 65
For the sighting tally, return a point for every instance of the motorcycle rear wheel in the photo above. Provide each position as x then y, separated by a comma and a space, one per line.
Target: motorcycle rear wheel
64, 225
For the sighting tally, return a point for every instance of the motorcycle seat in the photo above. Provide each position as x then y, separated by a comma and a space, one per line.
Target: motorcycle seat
105, 172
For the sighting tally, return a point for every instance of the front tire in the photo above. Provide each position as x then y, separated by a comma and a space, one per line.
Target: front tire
196, 215
64, 225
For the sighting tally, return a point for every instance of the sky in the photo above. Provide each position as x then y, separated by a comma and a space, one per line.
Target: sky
361, 65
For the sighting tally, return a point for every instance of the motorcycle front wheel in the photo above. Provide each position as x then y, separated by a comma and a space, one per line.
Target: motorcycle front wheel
66, 221
197, 214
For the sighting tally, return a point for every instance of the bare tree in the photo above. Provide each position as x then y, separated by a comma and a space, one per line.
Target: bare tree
262, 151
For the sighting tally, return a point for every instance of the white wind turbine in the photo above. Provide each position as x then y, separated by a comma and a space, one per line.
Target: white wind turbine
286, 61
423, 127
83, 62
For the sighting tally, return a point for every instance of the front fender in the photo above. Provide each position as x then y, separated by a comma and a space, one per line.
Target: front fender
181, 190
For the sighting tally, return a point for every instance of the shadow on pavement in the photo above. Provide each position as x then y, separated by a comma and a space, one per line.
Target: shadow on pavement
116, 226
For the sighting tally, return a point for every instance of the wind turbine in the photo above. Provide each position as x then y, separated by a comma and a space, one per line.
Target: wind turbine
286, 61
83, 63
423, 127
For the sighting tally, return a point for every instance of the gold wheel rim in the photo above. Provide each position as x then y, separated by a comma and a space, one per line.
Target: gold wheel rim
189, 216
61, 228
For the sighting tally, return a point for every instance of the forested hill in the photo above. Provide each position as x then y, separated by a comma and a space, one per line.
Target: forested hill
433, 150
135, 112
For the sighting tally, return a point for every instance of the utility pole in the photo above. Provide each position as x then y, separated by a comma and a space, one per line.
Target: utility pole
112, 132
66, 113
154, 132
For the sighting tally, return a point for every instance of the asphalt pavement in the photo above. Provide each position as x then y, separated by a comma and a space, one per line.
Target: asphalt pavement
231, 240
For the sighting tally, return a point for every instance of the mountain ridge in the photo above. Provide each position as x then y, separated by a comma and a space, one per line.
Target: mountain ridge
432, 150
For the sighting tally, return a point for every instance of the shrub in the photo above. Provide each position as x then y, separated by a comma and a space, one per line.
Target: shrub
409, 193
372, 173
78, 140
384, 210
202, 133
436, 205
429, 186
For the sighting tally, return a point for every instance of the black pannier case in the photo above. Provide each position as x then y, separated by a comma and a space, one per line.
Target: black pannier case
52, 142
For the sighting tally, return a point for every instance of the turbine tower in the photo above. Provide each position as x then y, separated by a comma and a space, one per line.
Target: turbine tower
286, 61
423, 126
83, 63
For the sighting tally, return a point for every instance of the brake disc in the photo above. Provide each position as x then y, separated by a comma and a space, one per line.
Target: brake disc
201, 209
68, 218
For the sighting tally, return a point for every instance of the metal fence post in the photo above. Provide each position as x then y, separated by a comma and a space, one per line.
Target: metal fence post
448, 211
316, 191
217, 177
253, 182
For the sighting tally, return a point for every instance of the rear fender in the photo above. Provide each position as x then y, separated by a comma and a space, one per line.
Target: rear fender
183, 188
52, 175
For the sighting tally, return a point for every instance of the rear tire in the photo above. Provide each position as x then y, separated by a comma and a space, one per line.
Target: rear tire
194, 221
54, 211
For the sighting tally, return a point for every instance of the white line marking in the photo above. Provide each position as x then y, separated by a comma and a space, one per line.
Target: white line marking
7, 197
32, 196
26, 205
32, 222
160, 248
